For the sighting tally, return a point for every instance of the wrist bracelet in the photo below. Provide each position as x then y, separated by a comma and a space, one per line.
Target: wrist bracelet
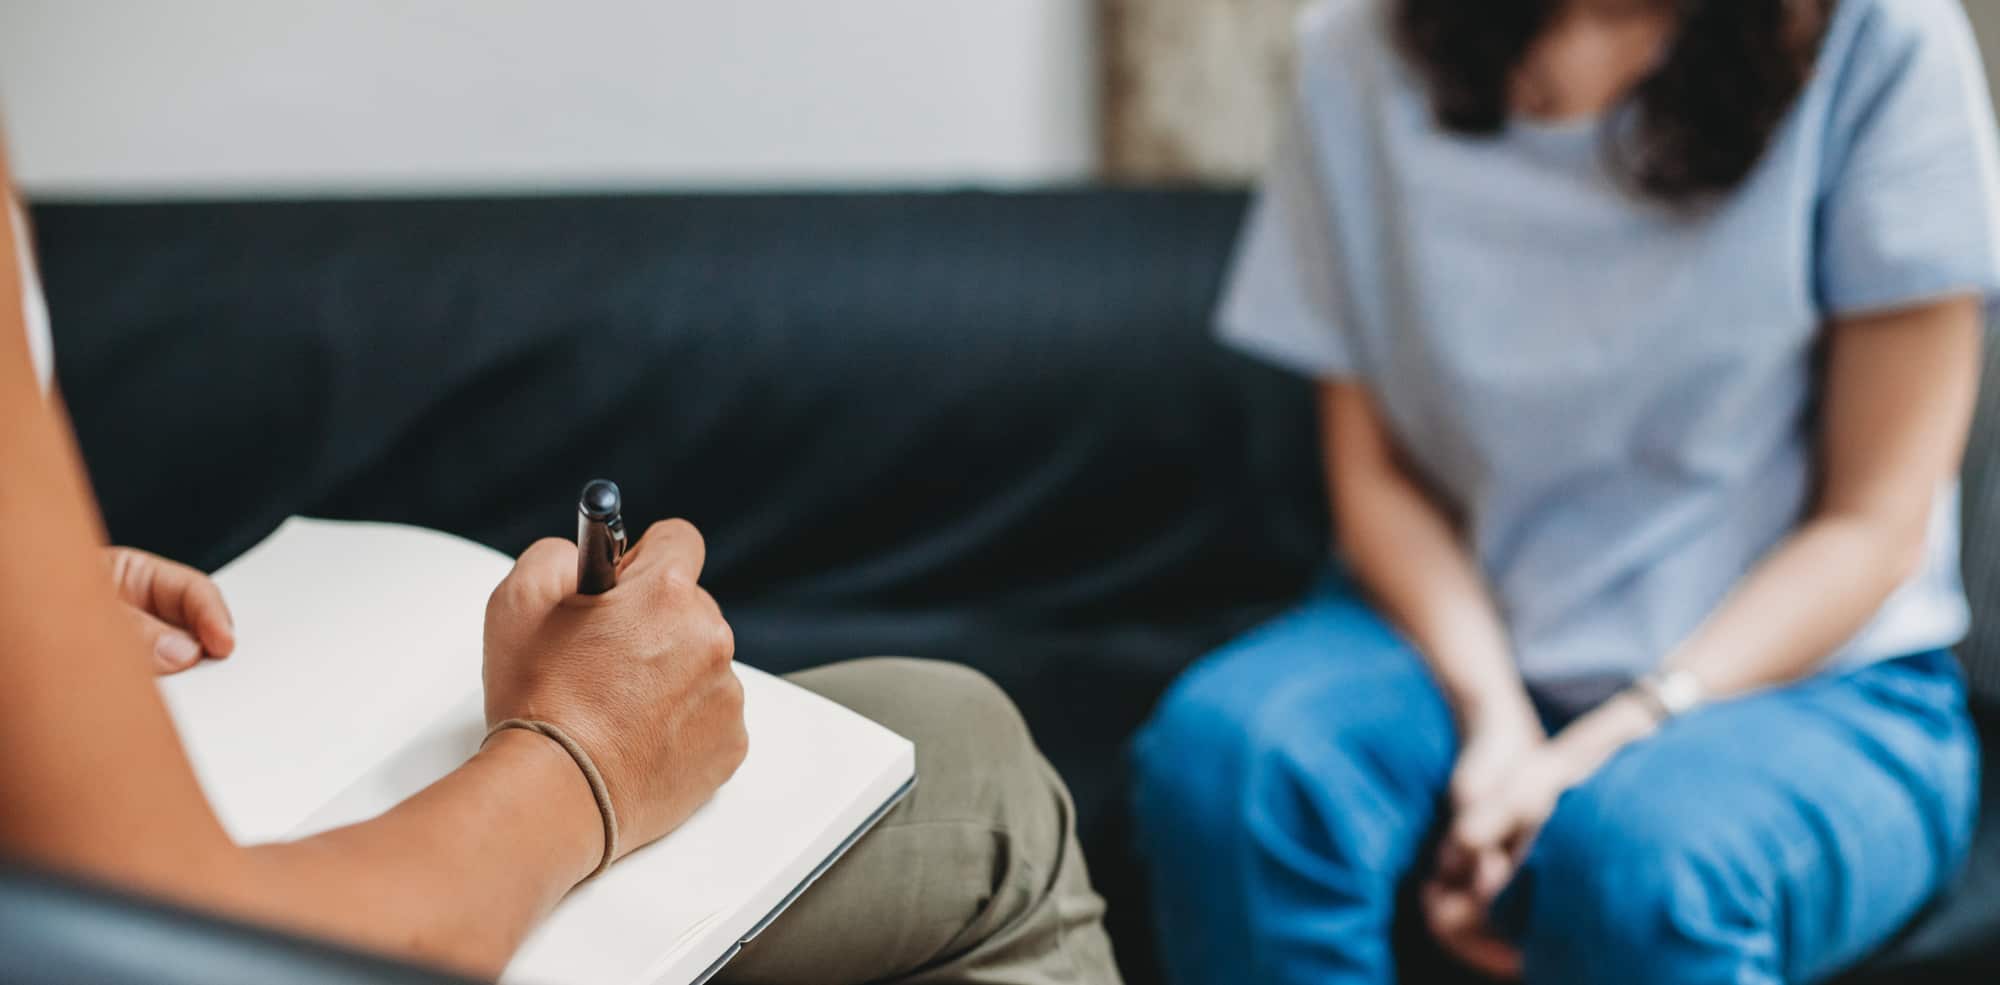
1669, 694
598, 790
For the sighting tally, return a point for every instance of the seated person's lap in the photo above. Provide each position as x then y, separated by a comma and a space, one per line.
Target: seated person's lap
1291, 781
976, 876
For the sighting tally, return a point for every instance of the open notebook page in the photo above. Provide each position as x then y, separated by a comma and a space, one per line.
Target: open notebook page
816, 774
348, 636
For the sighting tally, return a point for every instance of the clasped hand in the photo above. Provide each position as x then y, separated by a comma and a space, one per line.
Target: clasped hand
1509, 776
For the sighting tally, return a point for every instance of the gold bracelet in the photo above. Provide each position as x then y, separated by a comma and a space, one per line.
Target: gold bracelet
598, 790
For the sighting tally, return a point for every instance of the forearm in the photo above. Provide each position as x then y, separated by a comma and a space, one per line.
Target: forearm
456, 875
1807, 598
1412, 561
1898, 392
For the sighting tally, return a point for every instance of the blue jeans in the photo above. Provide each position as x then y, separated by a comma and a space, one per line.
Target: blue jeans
1289, 784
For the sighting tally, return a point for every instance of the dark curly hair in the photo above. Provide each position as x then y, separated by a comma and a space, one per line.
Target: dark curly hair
1700, 122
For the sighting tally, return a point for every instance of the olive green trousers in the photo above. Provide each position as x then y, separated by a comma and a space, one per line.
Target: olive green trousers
976, 877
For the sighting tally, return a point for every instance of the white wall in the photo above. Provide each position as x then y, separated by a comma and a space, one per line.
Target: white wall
329, 96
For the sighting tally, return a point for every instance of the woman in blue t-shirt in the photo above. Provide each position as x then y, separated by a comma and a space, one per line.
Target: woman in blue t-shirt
1648, 334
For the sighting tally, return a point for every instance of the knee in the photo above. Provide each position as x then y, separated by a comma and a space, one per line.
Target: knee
1248, 726
1618, 888
957, 717
1223, 713
975, 755
1223, 757
1198, 738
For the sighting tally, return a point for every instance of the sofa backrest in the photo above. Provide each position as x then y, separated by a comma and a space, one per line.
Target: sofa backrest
981, 413
970, 415
1980, 558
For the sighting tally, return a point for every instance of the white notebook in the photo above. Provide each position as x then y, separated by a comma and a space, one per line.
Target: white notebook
356, 683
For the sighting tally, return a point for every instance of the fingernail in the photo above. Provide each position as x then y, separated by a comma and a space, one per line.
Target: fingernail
176, 649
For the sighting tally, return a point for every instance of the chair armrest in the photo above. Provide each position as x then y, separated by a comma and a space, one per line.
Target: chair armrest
58, 931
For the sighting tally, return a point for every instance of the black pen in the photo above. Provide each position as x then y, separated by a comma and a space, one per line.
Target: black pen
600, 537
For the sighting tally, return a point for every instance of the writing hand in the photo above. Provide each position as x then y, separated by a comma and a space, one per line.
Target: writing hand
640, 676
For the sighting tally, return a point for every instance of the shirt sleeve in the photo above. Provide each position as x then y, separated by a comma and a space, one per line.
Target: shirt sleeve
1912, 212
1281, 301
40, 349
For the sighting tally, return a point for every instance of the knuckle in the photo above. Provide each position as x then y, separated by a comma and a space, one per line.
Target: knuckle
738, 746
496, 601
729, 702
718, 637
664, 591
685, 542
675, 529
724, 641
681, 529
540, 554
669, 601
509, 591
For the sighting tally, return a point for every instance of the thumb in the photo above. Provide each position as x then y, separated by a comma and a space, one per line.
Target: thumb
173, 648
1473, 781
1484, 827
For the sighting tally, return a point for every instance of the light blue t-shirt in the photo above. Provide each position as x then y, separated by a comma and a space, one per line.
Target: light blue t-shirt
1617, 398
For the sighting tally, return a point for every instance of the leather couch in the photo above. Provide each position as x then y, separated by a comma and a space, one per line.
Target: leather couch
990, 428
